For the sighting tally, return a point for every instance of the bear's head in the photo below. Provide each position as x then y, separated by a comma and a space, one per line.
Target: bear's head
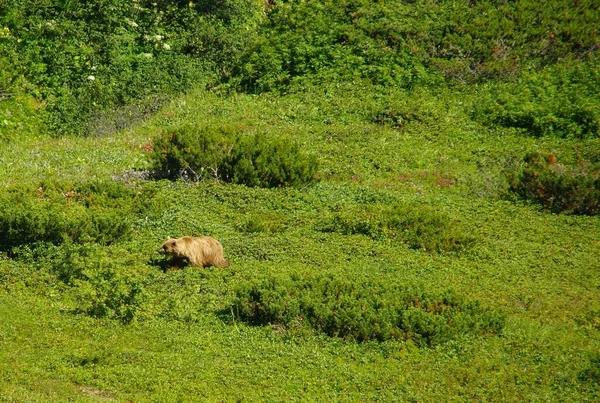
169, 247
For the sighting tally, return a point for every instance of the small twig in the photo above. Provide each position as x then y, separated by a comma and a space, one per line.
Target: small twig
215, 172
183, 175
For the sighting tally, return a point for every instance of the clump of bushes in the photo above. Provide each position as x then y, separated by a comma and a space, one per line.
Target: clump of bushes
264, 222
58, 213
557, 187
103, 282
559, 101
347, 42
223, 154
418, 226
592, 373
360, 310
81, 58
411, 43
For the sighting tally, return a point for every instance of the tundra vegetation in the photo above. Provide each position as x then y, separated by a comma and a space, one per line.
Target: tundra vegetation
408, 193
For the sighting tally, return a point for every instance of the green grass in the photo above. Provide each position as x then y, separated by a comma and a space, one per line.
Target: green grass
185, 341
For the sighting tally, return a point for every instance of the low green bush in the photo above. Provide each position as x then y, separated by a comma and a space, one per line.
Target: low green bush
592, 373
199, 152
363, 310
557, 187
82, 58
260, 161
561, 101
105, 284
418, 226
57, 213
223, 154
263, 222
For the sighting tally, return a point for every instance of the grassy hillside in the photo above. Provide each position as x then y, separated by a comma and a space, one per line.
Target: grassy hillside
107, 323
410, 212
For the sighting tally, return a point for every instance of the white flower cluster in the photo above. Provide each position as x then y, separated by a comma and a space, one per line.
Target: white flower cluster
157, 38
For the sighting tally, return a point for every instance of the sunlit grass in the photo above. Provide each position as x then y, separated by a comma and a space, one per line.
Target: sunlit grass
538, 268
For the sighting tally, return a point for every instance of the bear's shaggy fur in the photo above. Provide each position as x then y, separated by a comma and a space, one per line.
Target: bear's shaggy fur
201, 251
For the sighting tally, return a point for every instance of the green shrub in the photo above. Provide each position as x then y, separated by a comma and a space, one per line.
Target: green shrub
57, 213
222, 154
420, 227
363, 310
82, 57
562, 101
409, 43
105, 283
260, 161
189, 151
592, 373
263, 222
557, 187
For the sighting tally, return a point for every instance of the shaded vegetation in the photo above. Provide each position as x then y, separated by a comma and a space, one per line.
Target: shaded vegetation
222, 154
559, 188
361, 310
417, 226
63, 212
81, 58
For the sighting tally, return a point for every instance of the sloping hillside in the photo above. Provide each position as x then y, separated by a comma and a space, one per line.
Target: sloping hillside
408, 194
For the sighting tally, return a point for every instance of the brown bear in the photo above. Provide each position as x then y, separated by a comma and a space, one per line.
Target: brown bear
201, 251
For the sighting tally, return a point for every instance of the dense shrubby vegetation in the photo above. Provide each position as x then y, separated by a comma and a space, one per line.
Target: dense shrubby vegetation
223, 154
81, 57
362, 310
65, 228
560, 101
105, 283
557, 187
56, 213
418, 226
409, 43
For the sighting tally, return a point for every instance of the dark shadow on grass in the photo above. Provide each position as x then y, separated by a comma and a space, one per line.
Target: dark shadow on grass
167, 264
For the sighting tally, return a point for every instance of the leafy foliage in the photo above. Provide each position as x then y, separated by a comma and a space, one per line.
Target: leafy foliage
406, 44
363, 310
56, 213
420, 227
191, 151
557, 187
105, 284
81, 57
222, 154
329, 41
560, 101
